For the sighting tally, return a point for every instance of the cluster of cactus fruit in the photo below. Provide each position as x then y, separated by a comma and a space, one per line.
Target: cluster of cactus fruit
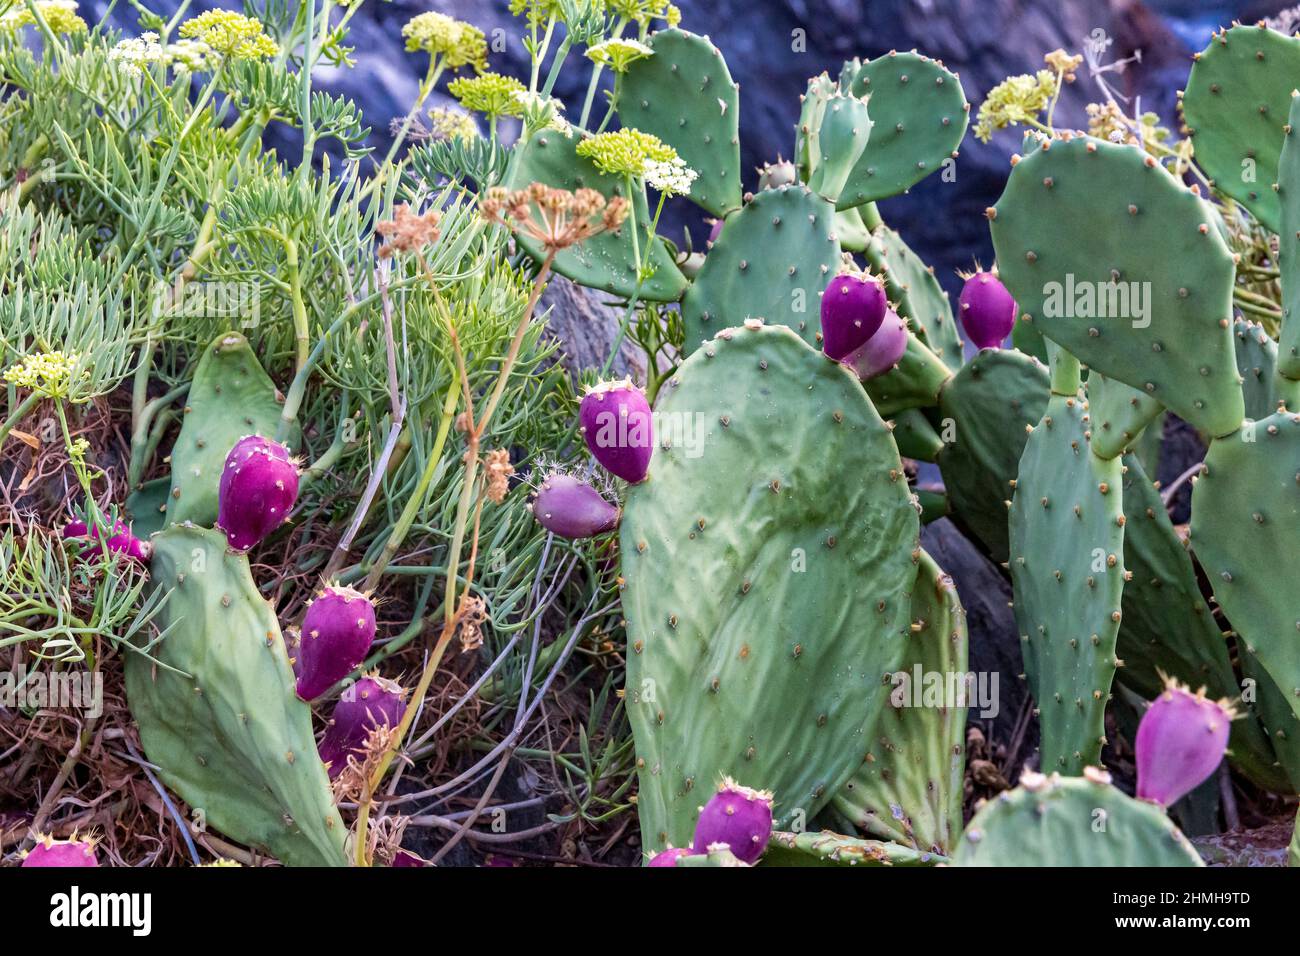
772, 576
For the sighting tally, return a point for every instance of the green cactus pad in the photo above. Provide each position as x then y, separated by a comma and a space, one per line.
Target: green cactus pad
147, 507
1273, 764
684, 94
837, 143
1237, 100
826, 848
915, 436
766, 597
772, 261
1087, 231
1257, 366
1119, 413
606, 261
914, 382
820, 88
1288, 195
227, 732
1168, 628
920, 299
1072, 821
1245, 522
908, 788
230, 397
987, 409
852, 232
920, 115
722, 856
1067, 573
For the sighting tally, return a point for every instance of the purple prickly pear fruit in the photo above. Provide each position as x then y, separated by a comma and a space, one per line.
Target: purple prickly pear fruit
878, 354
337, 630
714, 232
122, 541
404, 858
853, 306
737, 816
259, 486
64, 853
670, 856
370, 702
987, 310
616, 422
572, 508
1180, 741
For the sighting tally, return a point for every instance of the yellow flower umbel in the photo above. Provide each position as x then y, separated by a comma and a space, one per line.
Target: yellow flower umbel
491, 94
230, 35
1017, 99
60, 15
452, 43
447, 123
49, 373
539, 11
619, 53
642, 12
626, 152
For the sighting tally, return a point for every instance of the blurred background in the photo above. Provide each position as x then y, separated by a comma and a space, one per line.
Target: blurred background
774, 46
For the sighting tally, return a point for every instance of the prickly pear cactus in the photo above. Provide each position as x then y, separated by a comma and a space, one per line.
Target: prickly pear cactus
1288, 195
771, 261
837, 143
1257, 366
1067, 573
605, 261
915, 382
684, 94
1118, 262
919, 297
766, 597
826, 848
1245, 518
1072, 821
920, 115
991, 404
1237, 99
230, 397
1119, 413
908, 789
218, 714
915, 436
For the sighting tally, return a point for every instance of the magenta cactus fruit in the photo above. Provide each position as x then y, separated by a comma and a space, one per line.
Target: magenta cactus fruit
370, 702
882, 351
670, 856
63, 853
737, 816
337, 631
616, 422
987, 310
1181, 739
853, 307
572, 508
259, 486
121, 541
714, 231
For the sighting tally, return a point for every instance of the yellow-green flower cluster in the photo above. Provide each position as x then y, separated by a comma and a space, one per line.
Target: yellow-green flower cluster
230, 35
446, 123
491, 94
626, 152
539, 11
458, 43
1016, 99
60, 15
46, 372
618, 53
643, 11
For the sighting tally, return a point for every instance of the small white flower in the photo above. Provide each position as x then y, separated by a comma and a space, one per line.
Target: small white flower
618, 53
673, 177
138, 52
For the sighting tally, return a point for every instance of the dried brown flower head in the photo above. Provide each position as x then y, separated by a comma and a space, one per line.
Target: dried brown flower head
1064, 64
406, 231
497, 467
555, 218
352, 782
469, 622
